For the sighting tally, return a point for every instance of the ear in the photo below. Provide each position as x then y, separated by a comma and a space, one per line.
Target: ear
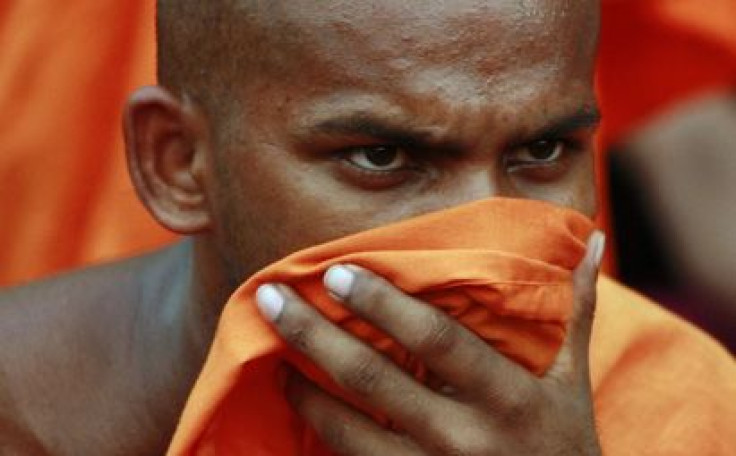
166, 142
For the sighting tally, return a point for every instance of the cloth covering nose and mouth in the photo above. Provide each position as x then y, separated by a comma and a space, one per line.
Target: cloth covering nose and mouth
502, 267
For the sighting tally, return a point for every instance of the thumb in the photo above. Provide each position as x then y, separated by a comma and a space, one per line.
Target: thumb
573, 356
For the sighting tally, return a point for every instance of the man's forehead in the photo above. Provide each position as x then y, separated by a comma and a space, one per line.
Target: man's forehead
384, 23
459, 49
419, 10
385, 38
451, 55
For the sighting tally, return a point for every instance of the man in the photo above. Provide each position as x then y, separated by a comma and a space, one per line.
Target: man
280, 125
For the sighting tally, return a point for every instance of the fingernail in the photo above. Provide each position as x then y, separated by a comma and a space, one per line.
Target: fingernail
598, 245
339, 281
270, 302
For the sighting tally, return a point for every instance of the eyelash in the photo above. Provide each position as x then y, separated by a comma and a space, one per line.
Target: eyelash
417, 163
402, 152
569, 146
377, 179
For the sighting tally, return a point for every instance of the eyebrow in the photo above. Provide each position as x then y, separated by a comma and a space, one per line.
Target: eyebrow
369, 126
372, 127
584, 118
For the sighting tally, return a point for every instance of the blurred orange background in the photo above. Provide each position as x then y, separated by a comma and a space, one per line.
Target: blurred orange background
67, 67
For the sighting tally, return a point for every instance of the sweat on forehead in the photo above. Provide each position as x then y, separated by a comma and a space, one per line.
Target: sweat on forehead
207, 50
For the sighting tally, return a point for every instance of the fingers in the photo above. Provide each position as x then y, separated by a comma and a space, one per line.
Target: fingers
448, 349
573, 356
352, 364
344, 429
351, 433
498, 392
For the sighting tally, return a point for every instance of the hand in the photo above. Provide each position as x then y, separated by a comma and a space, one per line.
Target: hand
491, 406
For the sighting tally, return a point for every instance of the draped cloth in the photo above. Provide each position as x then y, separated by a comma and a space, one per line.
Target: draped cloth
66, 69
657, 53
501, 267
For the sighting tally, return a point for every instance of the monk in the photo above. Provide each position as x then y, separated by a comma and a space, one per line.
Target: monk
281, 125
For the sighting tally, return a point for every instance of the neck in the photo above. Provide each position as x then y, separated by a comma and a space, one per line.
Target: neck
194, 291
178, 312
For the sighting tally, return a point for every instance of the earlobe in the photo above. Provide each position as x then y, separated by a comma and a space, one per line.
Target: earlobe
166, 141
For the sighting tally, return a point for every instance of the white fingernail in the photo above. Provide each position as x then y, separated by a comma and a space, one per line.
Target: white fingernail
339, 281
270, 302
598, 243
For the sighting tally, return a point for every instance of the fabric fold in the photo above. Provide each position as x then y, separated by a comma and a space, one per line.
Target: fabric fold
501, 267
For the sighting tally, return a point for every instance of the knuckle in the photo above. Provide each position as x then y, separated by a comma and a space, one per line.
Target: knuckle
336, 433
464, 441
519, 411
370, 292
587, 306
438, 335
364, 374
515, 405
585, 287
587, 295
299, 331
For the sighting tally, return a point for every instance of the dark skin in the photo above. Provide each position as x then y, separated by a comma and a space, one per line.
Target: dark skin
354, 127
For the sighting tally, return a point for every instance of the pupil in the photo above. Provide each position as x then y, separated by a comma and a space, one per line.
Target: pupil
381, 156
542, 150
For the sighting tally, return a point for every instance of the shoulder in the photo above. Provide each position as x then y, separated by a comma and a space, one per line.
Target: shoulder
660, 384
629, 327
59, 340
53, 315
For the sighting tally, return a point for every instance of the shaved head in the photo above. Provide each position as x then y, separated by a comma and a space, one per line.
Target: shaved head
197, 49
209, 50
295, 92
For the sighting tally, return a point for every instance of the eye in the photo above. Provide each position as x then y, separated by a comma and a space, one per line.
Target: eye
538, 153
378, 158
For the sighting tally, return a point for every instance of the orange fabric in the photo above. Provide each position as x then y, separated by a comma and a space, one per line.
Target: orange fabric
66, 69
661, 386
654, 53
502, 267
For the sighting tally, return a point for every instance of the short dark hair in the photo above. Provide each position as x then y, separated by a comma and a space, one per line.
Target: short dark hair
198, 49
206, 50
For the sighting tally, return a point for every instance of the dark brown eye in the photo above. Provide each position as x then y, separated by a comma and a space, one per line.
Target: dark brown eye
378, 158
545, 150
542, 152
381, 156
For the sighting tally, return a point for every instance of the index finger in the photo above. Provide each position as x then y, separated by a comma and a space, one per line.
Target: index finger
445, 346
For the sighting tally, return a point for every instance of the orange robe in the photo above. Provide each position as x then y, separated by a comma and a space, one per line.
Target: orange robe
66, 69
502, 268
655, 53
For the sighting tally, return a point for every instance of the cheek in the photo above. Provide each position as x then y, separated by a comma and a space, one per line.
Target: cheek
271, 204
576, 190
581, 189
